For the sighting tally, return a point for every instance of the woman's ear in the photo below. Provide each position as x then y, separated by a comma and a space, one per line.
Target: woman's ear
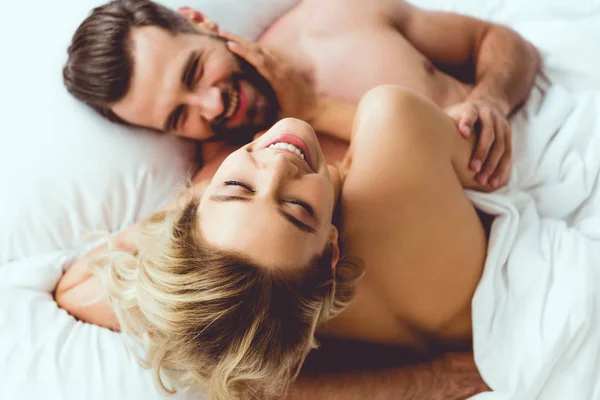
199, 20
334, 242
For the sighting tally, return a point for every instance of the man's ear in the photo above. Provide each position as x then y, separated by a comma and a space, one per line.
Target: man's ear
334, 242
199, 20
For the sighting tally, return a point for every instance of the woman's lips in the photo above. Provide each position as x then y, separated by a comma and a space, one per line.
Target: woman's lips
295, 141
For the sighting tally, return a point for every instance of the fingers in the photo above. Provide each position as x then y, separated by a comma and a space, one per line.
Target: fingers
210, 26
246, 49
492, 157
466, 120
250, 52
497, 151
502, 172
484, 144
233, 37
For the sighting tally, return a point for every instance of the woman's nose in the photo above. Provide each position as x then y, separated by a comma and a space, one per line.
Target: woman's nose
276, 169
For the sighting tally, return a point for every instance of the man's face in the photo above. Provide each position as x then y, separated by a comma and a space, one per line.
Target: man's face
193, 86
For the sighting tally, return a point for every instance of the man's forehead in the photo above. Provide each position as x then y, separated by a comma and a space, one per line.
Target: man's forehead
157, 58
155, 37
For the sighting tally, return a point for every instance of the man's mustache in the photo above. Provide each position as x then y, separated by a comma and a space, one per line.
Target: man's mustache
244, 134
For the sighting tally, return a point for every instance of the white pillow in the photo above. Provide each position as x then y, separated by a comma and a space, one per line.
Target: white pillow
65, 171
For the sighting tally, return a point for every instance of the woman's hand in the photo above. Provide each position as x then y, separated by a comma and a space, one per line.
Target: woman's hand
294, 92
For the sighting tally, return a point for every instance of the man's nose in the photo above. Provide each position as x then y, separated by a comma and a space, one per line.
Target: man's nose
208, 102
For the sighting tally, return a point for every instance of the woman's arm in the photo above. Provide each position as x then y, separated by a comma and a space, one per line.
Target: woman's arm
78, 290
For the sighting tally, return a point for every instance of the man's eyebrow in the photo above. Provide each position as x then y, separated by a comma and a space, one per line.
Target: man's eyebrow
296, 222
172, 119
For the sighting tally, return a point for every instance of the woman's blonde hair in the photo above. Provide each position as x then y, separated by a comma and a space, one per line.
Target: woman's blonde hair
214, 320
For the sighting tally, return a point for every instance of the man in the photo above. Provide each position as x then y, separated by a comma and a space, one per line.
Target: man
141, 64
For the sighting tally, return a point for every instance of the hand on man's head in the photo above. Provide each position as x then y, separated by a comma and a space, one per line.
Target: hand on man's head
199, 20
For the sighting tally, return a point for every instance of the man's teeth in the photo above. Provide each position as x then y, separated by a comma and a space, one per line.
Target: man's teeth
287, 146
233, 102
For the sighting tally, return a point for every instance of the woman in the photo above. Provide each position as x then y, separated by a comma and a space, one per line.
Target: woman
229, 287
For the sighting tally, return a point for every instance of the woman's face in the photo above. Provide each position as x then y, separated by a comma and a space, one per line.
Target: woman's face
273, 199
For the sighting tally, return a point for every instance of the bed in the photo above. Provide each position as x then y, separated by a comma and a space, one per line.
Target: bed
65, 172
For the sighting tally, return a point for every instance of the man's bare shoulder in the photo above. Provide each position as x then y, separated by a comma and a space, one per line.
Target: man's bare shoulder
331, 14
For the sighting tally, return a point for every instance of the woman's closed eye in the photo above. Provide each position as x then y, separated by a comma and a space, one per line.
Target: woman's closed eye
298, 203
305, 206
240, 184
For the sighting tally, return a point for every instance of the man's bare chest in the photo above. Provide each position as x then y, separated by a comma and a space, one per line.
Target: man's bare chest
346, 57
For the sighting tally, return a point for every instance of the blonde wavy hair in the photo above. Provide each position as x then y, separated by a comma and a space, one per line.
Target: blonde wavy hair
213, 319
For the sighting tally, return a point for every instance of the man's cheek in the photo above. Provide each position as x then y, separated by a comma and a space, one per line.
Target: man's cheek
219, 70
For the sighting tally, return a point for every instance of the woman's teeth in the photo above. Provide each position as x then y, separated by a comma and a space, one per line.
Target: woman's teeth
233, 103
287, 146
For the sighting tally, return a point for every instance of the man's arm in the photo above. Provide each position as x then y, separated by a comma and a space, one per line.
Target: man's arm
502, 66
453, 376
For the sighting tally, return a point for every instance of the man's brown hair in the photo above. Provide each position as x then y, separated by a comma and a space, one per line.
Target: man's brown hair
100, 64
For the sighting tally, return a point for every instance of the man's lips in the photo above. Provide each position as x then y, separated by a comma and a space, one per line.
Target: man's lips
242, 106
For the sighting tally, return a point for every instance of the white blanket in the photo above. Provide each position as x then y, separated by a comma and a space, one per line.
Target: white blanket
536, 311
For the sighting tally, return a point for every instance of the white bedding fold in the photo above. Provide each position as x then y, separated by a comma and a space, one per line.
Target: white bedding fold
536, 310
46, 354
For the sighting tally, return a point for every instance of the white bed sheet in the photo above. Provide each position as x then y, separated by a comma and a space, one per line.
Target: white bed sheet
536, 326
536, 312
44, 353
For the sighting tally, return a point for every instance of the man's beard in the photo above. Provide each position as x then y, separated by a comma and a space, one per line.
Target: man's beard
244, 134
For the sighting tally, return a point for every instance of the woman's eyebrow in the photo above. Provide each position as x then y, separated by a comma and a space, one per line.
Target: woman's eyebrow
225, 198
297, 223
